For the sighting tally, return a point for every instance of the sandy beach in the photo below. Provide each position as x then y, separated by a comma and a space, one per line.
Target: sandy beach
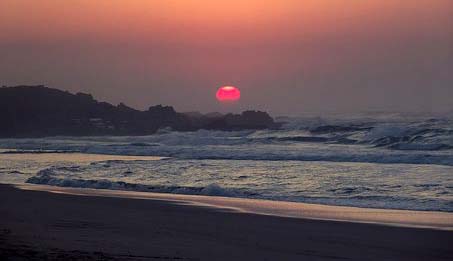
74, 224
226, 130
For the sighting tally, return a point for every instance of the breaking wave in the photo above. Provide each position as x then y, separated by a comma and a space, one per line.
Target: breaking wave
421, 141
345, 195
313, 160
45, 177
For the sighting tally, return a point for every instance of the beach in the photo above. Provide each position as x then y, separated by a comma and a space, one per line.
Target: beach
43, 222
226, 130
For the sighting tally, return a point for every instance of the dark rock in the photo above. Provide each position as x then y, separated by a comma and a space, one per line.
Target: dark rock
36, 111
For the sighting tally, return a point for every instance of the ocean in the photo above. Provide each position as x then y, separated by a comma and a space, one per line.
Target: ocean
378, 161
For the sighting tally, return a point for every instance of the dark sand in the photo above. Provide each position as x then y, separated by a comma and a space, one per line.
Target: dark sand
37, 225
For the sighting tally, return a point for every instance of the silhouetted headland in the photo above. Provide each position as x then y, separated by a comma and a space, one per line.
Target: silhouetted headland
36, 111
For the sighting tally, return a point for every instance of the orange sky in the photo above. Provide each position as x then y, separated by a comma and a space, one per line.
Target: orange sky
175, 18
311, 48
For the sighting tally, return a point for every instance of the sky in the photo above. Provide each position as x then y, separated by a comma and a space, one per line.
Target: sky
286, 56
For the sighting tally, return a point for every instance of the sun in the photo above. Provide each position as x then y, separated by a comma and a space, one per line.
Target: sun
228, 93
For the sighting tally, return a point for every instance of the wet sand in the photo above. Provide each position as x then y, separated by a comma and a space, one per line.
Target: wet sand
76, 224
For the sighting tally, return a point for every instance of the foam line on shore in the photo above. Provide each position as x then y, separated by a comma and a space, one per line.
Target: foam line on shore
403, 218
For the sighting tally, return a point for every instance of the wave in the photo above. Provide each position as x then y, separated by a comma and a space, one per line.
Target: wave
425, 134
424, 147
274, 151
338, 128
142, 144
357, 196
309, 139
375, 158
300, 139
385, 202
45, 177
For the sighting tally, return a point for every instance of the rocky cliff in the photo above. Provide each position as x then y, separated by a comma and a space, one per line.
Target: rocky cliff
34, 111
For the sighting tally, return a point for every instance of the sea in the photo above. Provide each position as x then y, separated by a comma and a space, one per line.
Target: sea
391, 161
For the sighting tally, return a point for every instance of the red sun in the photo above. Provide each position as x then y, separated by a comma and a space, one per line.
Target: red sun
228, 93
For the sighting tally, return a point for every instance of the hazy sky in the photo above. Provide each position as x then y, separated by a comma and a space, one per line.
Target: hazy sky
286, 56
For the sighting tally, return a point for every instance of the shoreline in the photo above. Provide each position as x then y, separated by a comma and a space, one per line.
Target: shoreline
389, 217
55, 223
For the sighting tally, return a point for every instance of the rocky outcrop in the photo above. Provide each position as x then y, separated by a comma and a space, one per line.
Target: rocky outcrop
33, 111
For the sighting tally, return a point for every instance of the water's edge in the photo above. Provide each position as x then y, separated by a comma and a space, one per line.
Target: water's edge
402, 218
